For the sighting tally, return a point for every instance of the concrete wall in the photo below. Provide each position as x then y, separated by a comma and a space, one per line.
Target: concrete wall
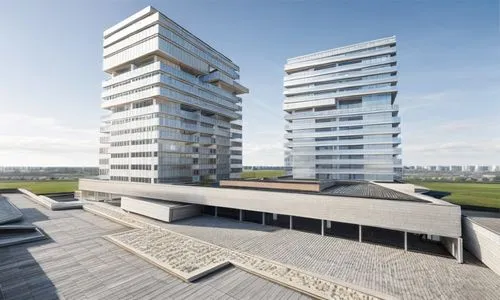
482, 243
184, 212
455, 247
159, 210
429, 218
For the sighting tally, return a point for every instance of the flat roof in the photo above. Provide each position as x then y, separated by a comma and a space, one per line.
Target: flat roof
361, 189
489, 220
78, 263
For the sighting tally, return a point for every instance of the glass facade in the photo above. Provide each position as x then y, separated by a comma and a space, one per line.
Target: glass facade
169, 118
341, 119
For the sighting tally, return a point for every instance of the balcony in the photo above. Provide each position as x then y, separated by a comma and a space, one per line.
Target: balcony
313, 125
217, 76
308, 100
105, 128
364, 141
390, 130
338, 51
344, 111
391, 151
362, 161
290, 67
332, 74
333, 86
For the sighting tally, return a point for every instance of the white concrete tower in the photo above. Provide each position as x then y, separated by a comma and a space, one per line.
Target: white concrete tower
174, 114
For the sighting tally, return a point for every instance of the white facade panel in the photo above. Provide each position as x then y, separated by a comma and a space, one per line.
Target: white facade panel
167, 122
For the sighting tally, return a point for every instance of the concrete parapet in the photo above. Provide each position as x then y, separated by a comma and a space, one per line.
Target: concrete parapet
50, 203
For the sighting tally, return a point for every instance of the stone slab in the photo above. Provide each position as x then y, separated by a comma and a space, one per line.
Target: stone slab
191, 259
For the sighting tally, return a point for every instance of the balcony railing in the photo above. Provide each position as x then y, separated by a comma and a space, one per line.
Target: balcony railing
332, 74
364, 141
344, 111
392, 130
362, 83
314, 125
338, 58
305, 100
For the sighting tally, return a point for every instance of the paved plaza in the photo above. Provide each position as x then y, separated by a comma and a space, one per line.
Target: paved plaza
76, 262
406, 275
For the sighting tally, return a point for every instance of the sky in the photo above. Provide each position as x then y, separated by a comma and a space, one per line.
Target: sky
448, 63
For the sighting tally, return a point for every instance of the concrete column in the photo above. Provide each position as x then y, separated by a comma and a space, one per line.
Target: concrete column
322, 227
406, 241
241, 215
263, 218
291, 222
460, 251
215, 211
360, 233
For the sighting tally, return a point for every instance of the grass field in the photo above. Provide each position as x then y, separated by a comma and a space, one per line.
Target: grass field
479, 194
262, 173
42, 187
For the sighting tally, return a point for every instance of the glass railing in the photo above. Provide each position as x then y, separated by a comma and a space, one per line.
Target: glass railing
364, 141
198, 103
356, 48
343, 132
313, 125
347, 151
319, 76
330, 95
337, 112
362, 83
337, 69
341, 57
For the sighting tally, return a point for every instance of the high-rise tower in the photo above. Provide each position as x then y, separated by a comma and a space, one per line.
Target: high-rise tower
341, 118
174, 114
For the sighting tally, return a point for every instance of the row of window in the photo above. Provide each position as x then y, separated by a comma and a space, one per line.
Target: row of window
119, 167
103, 161
144, 154
136, 118
119, 155
134, 130
119, 178
132, 80
134, 142
140, 179
142, 89
143, 167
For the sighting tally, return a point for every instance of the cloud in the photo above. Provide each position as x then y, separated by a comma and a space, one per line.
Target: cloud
413, 102
34, 140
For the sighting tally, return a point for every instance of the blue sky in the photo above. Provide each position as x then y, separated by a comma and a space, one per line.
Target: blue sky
448, 51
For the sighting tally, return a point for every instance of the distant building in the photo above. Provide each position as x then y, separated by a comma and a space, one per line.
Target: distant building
483, 168
469, 168
456, 168
341, 115
432, 168
443, 168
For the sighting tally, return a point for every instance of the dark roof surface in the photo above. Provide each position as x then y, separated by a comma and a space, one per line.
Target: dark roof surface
367, 190
352, 188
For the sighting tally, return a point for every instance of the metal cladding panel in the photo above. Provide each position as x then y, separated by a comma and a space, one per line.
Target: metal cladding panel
426, 218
